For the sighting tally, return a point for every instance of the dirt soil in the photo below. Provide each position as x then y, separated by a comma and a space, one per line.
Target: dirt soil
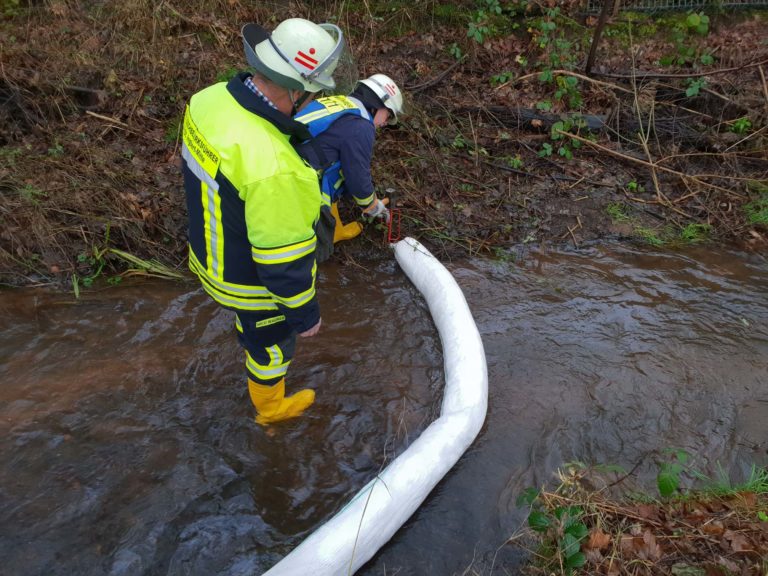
92, 94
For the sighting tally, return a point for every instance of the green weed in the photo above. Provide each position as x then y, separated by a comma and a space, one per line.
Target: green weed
172, 132
695, 86
634, 187
514, 162
757, 209
459, 142
741, 125
8, 156
558, 135
650, 236
695, 233
501, 78
31, 194
447, 13
9, 7
683, 35
56, 150
617, 212
455, 51
670, 470
481, 25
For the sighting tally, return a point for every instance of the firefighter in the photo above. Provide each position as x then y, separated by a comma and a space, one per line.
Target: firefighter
253, 201
344, 131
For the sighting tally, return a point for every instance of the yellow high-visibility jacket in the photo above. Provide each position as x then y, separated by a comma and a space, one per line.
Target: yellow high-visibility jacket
252, 204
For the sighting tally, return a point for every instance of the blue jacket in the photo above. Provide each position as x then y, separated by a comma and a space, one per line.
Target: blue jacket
345, 133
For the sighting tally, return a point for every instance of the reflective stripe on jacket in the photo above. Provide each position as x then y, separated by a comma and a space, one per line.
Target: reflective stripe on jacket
319, 115
252, 204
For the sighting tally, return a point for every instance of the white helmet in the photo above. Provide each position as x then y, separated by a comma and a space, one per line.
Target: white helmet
388, 92
298, 55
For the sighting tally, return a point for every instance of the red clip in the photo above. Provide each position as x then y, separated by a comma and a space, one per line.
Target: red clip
393, 228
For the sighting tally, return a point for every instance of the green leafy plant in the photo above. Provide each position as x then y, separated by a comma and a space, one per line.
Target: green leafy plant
31, 194
455, 51
695, 85
514, 162
8, 155
565, 144
562, 529
697, 22
741, 125
670, 470
501, 78
634, 187
459, 142
481, 23
544, 105
478, 30
172, 131
95, 261
546, 150
568, 87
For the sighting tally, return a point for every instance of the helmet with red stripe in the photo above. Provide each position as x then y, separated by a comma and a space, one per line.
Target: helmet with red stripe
388, 92
298, 54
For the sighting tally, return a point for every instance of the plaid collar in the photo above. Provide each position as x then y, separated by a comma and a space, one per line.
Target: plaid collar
253, 88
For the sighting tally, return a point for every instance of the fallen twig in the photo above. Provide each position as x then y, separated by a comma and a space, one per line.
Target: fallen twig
569, 73
107, 118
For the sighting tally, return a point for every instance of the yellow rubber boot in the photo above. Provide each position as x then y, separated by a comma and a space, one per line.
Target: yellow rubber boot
273, 406
344, 231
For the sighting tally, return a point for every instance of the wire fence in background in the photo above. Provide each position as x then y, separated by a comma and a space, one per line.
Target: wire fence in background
664, 5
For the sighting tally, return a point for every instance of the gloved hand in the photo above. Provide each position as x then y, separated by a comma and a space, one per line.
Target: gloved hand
377, 209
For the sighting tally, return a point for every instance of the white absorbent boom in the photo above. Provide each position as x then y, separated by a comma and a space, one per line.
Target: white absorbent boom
351, 537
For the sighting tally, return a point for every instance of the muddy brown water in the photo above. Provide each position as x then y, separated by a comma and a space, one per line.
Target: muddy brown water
129, 446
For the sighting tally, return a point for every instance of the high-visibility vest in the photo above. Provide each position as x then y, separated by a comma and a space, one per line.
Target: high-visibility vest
318, 115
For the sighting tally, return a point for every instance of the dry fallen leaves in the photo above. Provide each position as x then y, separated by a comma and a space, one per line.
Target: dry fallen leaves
598, 540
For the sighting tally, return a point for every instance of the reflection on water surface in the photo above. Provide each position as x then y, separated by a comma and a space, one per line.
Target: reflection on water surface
129, 446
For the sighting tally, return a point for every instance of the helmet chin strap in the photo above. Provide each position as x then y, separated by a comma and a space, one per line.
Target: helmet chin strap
296, 104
